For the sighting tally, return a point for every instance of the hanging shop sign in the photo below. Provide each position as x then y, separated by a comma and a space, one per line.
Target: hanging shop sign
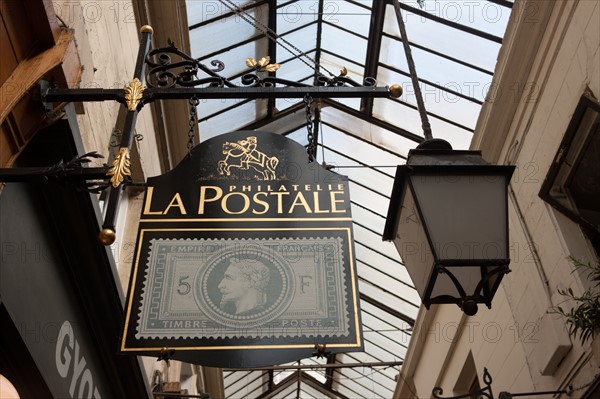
244, 257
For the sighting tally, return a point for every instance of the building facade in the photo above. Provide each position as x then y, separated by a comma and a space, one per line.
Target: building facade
61, 294
542, 115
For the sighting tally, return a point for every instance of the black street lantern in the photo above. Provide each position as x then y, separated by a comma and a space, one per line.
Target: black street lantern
448, 218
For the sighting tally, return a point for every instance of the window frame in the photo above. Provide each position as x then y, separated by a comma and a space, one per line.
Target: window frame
574, 135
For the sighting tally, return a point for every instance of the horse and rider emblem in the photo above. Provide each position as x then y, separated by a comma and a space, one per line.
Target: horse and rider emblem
243, 155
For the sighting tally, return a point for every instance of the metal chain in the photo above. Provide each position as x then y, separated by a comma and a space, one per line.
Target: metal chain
310, 114
193, 123
272, 35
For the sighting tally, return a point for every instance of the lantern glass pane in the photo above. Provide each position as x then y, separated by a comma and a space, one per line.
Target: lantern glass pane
465, 216
494, 280
468, 277
412, 243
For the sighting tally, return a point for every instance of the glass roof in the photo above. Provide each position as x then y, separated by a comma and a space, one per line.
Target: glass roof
454, 45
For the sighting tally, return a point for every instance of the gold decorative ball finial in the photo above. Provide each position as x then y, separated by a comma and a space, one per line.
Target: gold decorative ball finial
107, 236
146, 28
395, 91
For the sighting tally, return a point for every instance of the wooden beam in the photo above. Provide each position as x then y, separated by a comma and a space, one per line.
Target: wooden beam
29, 72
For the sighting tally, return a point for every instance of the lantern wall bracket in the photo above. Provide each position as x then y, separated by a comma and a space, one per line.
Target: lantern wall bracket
486, 392
167, 73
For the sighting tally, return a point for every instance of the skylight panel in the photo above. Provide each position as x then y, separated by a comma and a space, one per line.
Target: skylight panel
226, 32
445, 39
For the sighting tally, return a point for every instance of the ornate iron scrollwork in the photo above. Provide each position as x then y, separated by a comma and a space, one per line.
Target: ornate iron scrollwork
170, 67
65, 171
164, 72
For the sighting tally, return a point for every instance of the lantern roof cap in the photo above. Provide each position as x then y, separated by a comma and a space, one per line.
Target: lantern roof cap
438, 152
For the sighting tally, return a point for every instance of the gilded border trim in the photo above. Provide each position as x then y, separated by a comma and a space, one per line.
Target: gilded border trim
353, 282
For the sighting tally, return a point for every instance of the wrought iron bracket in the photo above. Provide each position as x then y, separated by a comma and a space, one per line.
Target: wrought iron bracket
91, 179
151, 94
167, 73
173, 74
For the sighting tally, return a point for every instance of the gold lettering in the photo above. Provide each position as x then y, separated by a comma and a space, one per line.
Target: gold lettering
307, 187
334, 201
264, 204
147, 210
317, 208
232, 188
295, 187
244, 209
176, 201
341, 187
246, 188
319, 188
203, 199
280, 200
300, 200
282, 188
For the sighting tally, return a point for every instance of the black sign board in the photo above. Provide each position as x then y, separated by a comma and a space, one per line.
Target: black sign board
244, 257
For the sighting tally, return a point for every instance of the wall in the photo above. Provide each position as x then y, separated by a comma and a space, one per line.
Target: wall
549, 56
107, 39
106, 34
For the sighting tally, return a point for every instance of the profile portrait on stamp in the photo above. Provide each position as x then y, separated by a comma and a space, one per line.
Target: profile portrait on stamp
243, 287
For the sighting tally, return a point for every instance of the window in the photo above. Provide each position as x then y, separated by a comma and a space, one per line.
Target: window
573, 182
467, 384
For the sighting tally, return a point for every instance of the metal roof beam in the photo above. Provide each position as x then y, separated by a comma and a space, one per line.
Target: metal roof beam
373, 49
246, 384
347, 30
227, 14
377, 122
272, 48
379, 147
279, 387
319, 366
436, 116
432, 84
321, 388
319, 42
385, 291
504, 3
329, 372
440, 54
347, 156
279, 115
449, 23
387, 309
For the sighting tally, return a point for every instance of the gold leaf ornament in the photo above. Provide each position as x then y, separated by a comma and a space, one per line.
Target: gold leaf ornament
272, 67
133, 94
120, 167
264, 61
262, 64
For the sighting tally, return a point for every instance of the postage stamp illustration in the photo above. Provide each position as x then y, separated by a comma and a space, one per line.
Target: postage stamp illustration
244, 288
